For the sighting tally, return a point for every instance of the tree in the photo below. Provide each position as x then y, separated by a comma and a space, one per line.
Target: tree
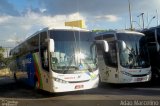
2, 57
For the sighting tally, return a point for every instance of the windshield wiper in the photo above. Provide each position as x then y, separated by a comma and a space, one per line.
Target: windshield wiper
88, 67
69, 66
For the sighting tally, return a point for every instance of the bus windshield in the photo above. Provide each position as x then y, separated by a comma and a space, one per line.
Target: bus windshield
158, 35
135, 54
73, 52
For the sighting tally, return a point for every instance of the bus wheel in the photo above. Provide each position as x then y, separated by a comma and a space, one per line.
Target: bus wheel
36, 84
100, 82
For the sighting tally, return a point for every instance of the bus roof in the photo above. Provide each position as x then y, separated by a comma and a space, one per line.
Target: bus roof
67, 28
152, 28
120, 31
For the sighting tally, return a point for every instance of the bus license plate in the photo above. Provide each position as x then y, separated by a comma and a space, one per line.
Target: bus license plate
78, 86
140, 79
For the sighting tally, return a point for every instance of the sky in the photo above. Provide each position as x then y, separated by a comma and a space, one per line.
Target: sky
21, 18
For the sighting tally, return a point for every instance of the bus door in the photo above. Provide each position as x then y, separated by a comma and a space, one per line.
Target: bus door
44, 56
108, 60
111, 59
101, 63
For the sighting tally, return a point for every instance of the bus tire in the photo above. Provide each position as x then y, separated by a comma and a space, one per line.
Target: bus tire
100, 82
36, 85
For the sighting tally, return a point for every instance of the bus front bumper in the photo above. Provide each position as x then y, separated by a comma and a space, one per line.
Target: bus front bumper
128, 79
66, 87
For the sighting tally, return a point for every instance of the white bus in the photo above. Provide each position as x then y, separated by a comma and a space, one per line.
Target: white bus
57, 60
122, 57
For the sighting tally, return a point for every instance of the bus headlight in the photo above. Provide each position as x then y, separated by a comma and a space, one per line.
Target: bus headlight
125, 73
60, 80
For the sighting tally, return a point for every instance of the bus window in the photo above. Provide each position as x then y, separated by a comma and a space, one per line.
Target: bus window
44, 51
111, 56
150, 35
31, 45
93, 53
44, 59
158, 35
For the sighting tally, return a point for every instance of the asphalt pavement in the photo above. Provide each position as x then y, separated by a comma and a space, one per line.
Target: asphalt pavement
18, 94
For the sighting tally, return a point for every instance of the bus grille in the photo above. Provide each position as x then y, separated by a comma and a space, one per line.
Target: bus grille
142, 75
78, 81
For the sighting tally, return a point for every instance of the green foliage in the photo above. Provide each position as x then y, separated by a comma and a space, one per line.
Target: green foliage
7, 61
99, 30
2, 59
1, 54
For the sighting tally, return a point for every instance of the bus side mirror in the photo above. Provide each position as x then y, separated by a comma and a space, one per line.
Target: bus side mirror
51, 45
104, 44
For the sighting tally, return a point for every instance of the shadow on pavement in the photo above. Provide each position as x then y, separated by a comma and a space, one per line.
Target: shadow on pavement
10, 89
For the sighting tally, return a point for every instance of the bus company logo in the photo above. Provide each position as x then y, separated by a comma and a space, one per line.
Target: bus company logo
69, 78
26, 61
134, 70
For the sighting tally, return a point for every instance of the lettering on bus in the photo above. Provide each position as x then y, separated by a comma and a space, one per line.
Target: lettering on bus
69, 78
26, 61
134, 70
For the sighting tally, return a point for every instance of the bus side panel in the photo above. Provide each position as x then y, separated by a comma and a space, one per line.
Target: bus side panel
37, 68
21, 72
30, 70
43, 76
